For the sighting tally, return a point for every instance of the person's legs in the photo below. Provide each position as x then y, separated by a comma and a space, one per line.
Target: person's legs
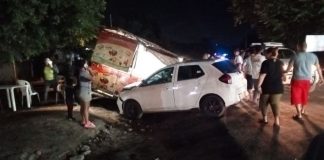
47, 87
305, 94
303, 110
274, 102
296, 96
86, 112
298, 109
250, 95
249, 86
69, 100
263, 104
256, 94
70, 110
82, 112
299, 95
88, 124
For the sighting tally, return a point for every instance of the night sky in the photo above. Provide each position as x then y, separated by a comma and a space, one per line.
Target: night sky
207, 22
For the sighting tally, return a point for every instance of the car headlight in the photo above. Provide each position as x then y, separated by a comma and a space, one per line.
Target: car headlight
127, 88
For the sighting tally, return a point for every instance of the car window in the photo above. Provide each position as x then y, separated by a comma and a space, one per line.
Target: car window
225, 66
163, 76
189, 72
285, 53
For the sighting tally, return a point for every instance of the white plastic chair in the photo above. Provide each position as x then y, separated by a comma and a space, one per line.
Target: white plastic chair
29, 92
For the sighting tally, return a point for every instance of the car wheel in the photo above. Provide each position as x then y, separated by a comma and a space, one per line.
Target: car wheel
132, 110
213, 106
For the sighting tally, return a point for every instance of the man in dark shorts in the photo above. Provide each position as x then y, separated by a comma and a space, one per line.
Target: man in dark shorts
270, 83
247, 69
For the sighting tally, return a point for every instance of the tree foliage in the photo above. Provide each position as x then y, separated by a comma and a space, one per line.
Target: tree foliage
32, 27
281, 20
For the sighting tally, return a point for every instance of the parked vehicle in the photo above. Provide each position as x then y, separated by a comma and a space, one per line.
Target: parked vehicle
121, 58
210, 85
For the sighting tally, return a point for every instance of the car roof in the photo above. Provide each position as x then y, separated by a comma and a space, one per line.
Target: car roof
268, 44
209, 61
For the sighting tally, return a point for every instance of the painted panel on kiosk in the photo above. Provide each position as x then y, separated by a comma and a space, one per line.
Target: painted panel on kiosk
112, 58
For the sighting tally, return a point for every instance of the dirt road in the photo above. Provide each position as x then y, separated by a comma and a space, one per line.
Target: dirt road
44, 133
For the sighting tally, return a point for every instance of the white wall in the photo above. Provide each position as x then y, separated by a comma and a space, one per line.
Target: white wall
315, 43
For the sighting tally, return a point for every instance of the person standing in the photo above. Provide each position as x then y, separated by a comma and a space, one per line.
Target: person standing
270, 85
247, 69
256, 61
238, 60
70, 83
85, 77
302, 64
49, 76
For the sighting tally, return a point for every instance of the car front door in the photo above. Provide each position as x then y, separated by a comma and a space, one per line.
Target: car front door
187, 88
156, 92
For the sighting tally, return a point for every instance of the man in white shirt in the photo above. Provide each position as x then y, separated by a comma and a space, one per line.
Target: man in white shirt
238, 60
247, 69
256, 61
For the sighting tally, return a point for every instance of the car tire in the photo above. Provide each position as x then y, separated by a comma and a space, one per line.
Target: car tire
212, 105
132, 110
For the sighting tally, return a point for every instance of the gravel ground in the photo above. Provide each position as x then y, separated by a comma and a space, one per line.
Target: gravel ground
44, 133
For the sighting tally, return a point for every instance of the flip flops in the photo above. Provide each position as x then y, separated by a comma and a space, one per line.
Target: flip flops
296, 117
89, 125
262, 121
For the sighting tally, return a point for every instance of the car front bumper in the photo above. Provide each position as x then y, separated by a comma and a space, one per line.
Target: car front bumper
120, 105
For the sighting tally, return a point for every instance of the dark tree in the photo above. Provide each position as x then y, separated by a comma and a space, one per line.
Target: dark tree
281, 20
32, 27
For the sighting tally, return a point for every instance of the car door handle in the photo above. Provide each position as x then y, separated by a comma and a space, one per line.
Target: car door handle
172, 88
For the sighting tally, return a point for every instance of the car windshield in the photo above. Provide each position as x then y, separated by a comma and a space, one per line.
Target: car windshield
225, 66
163, 76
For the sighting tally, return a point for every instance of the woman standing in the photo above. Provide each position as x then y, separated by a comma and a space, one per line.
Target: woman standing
84, 95
270, 84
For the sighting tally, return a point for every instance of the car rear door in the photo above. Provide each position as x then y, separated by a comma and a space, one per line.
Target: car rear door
188, 84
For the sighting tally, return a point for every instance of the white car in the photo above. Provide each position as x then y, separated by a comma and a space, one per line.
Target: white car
208, 85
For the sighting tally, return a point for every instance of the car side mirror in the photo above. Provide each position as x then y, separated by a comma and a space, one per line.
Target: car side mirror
144, 83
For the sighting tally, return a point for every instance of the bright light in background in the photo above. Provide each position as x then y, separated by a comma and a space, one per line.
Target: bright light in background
180, 59
315, 43
220, 55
